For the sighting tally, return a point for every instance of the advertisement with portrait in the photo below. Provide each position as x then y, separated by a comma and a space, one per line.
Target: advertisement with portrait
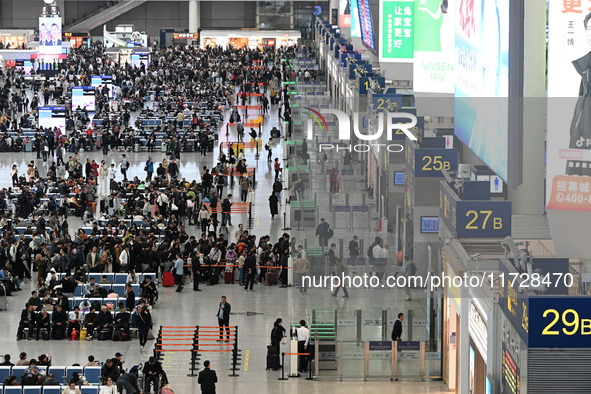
50, 35
482, 80
569, 107
434, 46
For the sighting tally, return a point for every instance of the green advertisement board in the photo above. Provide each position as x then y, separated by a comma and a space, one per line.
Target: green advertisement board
397, 31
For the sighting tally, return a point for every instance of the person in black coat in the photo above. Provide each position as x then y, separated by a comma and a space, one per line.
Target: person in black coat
152, 370
196, 268
60, 319
207, 379
277, 333
28, 319
223, 315
144, 326
104, 320
274, 205
129, 297
397, 330
250, 269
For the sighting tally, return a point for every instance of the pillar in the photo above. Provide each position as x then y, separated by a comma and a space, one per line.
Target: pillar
194, 16
61, 4
528, 198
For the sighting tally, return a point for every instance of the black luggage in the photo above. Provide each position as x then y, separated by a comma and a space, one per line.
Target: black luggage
214, 276
273, 357
271, 278
104, 335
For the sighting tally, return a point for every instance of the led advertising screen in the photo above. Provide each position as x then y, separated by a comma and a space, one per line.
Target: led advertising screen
138, 58
434, 46
397, 31
366, 23
429, 224
83, 97
569, 125
355, 24
482, 80
344, 13
50, 35
51, 117
103, 80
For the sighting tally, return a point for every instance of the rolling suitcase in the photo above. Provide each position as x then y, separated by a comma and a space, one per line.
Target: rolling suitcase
229, 277
214, 276
167, 279
271, 278
272, 357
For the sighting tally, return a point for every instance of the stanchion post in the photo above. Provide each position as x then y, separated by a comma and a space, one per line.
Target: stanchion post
235, 353
309, 368
194, 351
250, 216
282, 367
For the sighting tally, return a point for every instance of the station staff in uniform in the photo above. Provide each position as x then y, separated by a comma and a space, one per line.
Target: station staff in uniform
303, 335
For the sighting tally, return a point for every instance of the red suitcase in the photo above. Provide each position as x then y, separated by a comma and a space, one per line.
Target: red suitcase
229, 277
167, 279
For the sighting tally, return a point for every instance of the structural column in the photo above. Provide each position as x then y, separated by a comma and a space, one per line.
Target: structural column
194, 16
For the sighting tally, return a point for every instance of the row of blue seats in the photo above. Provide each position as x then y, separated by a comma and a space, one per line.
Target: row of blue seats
45, 389
118, 279
119, 289
61, 373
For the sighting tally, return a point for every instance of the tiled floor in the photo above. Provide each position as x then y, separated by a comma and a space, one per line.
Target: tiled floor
189, 308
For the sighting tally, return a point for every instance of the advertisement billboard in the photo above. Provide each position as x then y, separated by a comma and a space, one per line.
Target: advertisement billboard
103, 80
569, 126
397, 28
434, 46
345, 13
366, 23
482, 80
355, 24
51, 117
50, 35
83, 97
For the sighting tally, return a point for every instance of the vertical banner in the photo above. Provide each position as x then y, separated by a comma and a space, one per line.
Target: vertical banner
355, 24
482, 80
434, 46
366, 23
344, 13
334, 16
569, 106
50, 35
397, 31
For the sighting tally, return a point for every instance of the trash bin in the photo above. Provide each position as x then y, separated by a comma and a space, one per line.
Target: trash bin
136, 147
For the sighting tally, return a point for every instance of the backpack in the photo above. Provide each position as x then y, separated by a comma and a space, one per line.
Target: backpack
370, 251
127, 165
330, 233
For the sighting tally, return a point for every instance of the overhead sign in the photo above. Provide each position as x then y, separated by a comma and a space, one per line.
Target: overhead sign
366, 23
474, 219
434, 46
397, 31
384, 102
428, 163
185, 36
398, 134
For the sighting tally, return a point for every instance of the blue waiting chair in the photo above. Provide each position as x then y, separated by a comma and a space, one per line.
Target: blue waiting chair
93, 375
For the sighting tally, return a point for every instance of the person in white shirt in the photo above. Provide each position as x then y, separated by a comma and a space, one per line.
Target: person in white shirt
303, 335
109, 388
112, 172
132, 278
124, 258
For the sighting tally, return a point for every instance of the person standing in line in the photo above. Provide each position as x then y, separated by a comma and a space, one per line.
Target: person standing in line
303, 335
397, 330
179, 272
334, 180
124, 167
269, 148
226, 211
195, 263
322, 232
301, 265
223, 315
277, 335
354, 248
340, 272
149, 168
273, 205
112, 173
250, 270
207, 379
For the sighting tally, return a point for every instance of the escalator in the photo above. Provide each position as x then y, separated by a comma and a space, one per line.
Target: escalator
104, 16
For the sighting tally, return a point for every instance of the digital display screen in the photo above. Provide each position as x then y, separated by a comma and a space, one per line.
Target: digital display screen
366, 23
482, 80
51, 117
103, 80
83, 97
355, 24
429, 224
25, 65
138, 58
399, 178
50, 35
